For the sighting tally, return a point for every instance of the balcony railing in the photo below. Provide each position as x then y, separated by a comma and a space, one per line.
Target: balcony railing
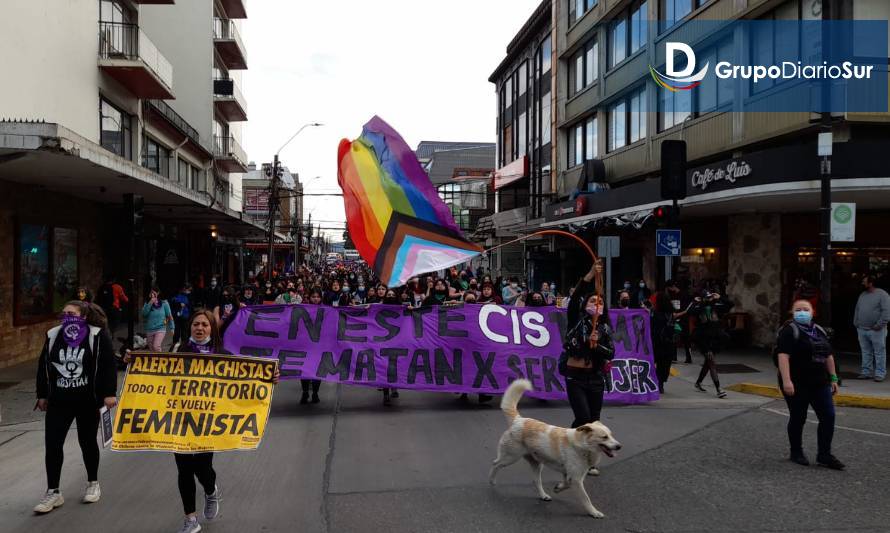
225, 30
226, 91
228, 148
175, 119
127, 41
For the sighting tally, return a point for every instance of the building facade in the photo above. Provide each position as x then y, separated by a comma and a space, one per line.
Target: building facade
462, 176
116, 97
756, 233
289, 220
524, 179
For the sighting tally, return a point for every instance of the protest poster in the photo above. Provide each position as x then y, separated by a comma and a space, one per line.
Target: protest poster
190, 403
463, 348
106, 427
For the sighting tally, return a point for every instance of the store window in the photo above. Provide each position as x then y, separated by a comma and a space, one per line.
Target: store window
628, 32
583, 67
46, 271
627, 119
115, 133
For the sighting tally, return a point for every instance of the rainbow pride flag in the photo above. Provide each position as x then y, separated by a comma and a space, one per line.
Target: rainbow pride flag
396, 219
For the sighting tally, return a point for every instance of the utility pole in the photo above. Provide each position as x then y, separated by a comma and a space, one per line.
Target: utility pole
273, 204
825, 175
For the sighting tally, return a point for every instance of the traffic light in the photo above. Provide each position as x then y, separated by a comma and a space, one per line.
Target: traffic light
665, 215
673, 170
134, 208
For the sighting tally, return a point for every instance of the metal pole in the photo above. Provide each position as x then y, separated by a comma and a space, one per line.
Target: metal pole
273, 199
825, 207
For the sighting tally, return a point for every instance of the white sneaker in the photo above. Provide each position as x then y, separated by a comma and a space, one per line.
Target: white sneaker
92, 493
211, 503
594, 471
190, 525
50, 501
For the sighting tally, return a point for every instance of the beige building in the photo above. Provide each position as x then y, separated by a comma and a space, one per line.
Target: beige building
102, 98
755, 234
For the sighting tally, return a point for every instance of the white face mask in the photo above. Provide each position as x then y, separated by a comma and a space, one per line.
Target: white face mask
514, 285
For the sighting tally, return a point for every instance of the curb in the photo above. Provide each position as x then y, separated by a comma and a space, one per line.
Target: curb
840, 399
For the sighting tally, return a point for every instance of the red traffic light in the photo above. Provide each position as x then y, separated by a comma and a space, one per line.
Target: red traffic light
664, 214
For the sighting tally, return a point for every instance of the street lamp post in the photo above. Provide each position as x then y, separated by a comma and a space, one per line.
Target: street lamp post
273, 198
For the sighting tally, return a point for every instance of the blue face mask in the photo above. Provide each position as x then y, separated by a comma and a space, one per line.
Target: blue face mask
803, 317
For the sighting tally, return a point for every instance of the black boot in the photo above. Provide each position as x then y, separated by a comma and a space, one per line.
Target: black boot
304, 399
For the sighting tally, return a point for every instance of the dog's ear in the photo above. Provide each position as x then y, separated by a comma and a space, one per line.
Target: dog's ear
585, 429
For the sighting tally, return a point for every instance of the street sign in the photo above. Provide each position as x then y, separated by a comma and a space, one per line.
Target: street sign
668, 242
843, 222
608, 246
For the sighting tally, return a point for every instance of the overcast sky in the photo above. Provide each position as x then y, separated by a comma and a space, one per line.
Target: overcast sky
423, 66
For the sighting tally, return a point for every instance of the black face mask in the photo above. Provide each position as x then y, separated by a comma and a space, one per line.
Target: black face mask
625, 302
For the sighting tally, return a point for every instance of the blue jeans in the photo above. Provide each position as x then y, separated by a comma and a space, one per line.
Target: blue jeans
874, 352
823, 404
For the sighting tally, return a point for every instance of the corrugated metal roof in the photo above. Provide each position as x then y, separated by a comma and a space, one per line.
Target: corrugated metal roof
425, 149
444, 162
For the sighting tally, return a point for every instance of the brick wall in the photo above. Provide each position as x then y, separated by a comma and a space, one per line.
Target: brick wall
23, 343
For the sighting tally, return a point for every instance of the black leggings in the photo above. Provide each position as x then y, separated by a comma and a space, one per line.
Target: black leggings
190, 466
710, 365
315, 383
586, 398
59, 415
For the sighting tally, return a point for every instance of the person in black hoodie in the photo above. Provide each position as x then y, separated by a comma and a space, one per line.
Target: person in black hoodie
587, 352
76, 376
663, 335
315, 298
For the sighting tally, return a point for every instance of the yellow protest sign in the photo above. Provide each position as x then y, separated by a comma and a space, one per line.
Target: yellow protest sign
185, 402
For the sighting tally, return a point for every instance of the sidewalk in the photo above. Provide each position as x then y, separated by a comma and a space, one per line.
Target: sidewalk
752, 371
18, 385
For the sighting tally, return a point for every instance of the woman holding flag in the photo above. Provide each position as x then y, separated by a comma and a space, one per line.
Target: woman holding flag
588, 350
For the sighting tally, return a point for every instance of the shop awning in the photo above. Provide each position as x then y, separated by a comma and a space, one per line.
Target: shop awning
513, 172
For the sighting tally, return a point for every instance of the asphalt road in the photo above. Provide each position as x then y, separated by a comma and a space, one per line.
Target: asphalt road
689, 463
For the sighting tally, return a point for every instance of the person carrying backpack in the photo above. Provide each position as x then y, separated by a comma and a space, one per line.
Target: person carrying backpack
807, 377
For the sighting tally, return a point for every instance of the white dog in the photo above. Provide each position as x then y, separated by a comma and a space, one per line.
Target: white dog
569, 451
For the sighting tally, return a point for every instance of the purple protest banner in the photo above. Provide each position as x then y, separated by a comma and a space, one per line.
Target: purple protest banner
464, 348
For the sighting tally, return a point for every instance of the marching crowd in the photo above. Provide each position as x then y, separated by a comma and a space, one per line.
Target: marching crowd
77, 376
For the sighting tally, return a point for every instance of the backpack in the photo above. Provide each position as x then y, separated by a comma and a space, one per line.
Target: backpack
795, 331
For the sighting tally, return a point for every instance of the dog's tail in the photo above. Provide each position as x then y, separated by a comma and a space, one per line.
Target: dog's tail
512, 396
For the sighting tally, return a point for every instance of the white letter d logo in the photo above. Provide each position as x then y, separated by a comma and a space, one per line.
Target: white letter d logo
671, 52
685, 75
